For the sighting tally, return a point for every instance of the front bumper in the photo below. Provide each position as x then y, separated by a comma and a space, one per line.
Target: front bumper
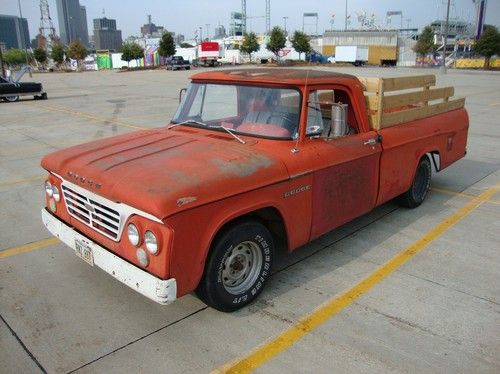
159, 290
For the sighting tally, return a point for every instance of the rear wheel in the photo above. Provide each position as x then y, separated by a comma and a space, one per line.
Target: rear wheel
237, 267
11, 99
420, 186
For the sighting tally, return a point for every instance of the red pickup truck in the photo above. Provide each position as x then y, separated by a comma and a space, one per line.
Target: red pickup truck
254, 161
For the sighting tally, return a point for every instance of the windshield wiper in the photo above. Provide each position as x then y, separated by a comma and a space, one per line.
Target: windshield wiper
230, 132
187, 121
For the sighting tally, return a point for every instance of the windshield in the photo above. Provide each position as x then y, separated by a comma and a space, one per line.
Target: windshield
249, 110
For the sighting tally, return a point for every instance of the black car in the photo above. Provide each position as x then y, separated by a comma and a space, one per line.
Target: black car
10, 91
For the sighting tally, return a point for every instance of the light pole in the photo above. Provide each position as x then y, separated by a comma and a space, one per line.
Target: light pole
208, 30
284, 19
445, 38
345, 20
22, 36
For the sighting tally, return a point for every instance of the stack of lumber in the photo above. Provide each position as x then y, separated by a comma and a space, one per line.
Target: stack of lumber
392, 101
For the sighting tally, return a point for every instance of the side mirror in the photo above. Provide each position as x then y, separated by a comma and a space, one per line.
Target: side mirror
182, 92
338, 126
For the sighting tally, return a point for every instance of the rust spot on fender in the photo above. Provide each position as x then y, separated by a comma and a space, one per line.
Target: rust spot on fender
243, 167
186, 200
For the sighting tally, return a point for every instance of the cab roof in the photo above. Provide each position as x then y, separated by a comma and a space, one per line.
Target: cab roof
297, 77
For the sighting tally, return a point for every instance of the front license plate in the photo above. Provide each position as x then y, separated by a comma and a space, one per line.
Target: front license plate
83, 250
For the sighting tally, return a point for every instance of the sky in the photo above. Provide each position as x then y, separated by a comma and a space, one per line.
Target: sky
186, 16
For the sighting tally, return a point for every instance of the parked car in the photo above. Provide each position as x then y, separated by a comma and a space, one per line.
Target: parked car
177, 63
253, 162
11, 91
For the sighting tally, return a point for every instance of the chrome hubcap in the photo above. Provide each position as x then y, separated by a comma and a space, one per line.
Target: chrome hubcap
241, 267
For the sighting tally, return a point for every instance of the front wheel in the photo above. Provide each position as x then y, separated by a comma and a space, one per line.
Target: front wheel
420, 186
237, 267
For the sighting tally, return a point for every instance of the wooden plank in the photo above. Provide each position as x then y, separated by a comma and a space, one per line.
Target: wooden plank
390, 119
380, 109
370, 84
404, 83
400, 100
372, 118
372, 102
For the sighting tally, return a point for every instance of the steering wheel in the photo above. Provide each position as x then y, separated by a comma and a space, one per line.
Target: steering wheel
283, 119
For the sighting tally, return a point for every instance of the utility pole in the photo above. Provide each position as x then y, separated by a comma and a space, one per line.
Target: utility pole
445, 38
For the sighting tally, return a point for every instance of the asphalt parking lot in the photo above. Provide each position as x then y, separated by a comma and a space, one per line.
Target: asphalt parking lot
394, 291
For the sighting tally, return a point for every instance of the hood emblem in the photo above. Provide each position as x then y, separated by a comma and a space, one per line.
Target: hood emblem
83, 180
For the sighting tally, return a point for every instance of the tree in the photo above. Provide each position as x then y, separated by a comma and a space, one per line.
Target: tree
425, 43
15, 56
132, 51
488, 44
277, 41
77, 51
40, 55
300, 42
250, 44
57, 53
167, 45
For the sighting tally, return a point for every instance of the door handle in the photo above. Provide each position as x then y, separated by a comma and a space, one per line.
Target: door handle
374, 141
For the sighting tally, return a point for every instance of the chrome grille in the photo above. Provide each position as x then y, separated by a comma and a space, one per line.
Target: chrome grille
95, 214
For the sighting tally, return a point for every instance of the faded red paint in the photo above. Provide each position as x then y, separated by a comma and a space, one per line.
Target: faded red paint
196, 180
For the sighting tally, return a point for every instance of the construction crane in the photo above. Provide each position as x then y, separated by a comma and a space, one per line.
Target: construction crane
47, 32
244, 16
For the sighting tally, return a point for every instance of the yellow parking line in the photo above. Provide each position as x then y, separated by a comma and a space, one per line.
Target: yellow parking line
19, 181
28, 247
462, 194
86, 115
334, 306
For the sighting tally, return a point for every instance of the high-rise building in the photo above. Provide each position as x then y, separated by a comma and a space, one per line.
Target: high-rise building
151, 30
219, 32
106, 36
72, 19
14, 32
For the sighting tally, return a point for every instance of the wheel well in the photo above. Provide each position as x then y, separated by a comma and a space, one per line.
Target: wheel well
270, 217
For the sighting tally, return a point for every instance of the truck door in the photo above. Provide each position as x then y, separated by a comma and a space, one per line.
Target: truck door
345, 170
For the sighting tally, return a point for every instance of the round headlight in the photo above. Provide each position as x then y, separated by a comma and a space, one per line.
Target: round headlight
55, 194
151, 242
48, 188
133, 234
142, 257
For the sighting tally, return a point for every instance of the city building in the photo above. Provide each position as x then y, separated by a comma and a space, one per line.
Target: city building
14, 32
106, 36
236, 27
150, 30
219, 32
72, 19
179, 39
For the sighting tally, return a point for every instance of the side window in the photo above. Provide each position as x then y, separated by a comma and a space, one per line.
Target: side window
319, 111
319, 114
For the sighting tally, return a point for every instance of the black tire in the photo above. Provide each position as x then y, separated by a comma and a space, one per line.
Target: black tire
11, 99
420, 186
237, 267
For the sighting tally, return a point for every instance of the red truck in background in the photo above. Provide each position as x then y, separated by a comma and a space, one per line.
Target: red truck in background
208, 54
254, 161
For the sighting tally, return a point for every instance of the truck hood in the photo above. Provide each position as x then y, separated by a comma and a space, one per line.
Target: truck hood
163, 171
